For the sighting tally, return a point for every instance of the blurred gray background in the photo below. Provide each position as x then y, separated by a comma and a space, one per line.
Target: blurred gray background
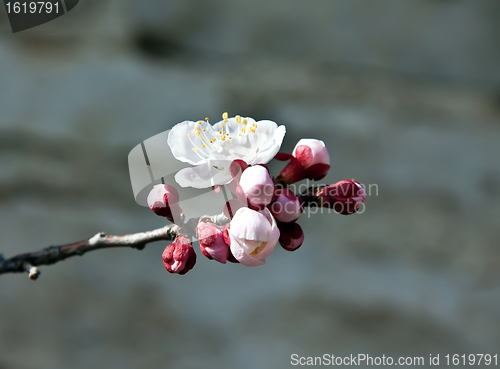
406, 95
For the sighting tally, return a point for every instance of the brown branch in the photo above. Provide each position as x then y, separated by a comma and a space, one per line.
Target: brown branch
28, 262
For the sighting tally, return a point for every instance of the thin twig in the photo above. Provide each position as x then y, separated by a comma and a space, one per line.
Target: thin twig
28, 262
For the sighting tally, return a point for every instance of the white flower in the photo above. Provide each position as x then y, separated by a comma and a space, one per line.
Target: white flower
212, 148
253, 236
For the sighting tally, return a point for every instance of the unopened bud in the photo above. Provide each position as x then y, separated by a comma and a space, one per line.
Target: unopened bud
257, 187
212, 243
227, 240
163, 200
237, 167
179, 257
345, 197
309, 159
291, 236
287, 207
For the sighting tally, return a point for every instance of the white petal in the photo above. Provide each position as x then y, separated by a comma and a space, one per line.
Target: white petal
239, 253
273, 235
203, 176
266, 126
248, 224
268, 152
181, 146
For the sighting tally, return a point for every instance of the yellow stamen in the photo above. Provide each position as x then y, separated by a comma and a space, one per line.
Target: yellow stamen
244, 121
243, 130
189, 135
238, 119
254, 252
203, 129
199, 122
206, 119
223, 138
224, 116
195, 149
203, 145
197, 132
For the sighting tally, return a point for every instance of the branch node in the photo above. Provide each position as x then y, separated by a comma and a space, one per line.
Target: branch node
33, 272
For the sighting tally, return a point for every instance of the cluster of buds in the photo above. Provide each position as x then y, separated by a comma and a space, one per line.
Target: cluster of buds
263, 211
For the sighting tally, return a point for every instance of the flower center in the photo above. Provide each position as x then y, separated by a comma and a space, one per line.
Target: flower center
204, 144
258, 248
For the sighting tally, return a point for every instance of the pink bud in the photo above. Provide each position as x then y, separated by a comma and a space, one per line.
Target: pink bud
164, 201
237, 167
253, 236
291, 236
212, 242
179, 257
227, 240
257, 187
345, 197
310, 152
287, 207
309, 159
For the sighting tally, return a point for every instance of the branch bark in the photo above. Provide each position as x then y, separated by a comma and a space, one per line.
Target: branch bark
28, 262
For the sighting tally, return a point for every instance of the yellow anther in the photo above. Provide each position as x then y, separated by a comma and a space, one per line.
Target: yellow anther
255, 252
238, 119
199, 122
220, 132
244, 121
189, 135
203, 145
206, 119
224, 116
223, 138
253, 127
230, 137
222, 126
195, 149
243, 130
197, 132
203, 129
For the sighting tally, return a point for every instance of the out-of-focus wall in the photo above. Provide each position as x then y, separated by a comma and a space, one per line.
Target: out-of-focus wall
404, 94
